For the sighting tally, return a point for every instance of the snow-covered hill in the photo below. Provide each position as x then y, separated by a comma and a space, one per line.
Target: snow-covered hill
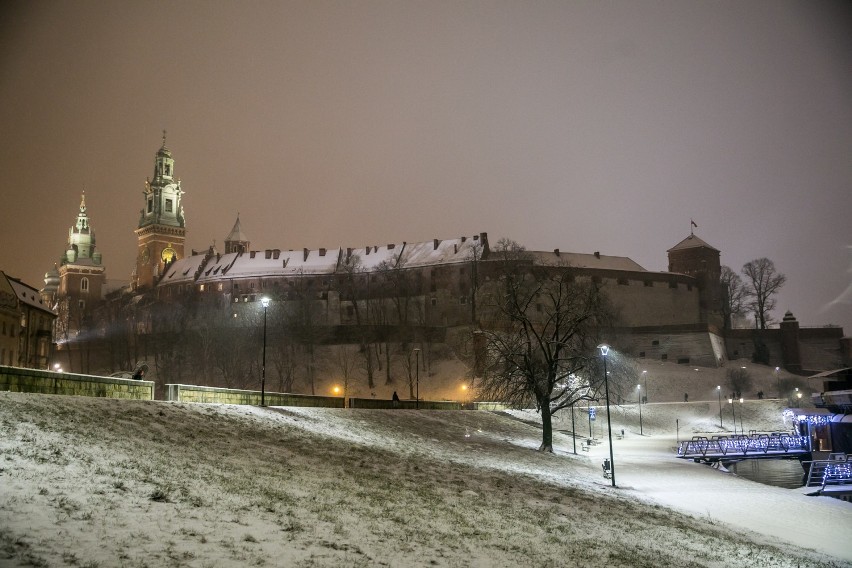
95, 482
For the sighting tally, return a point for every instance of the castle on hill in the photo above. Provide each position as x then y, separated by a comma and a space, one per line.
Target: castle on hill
401, 293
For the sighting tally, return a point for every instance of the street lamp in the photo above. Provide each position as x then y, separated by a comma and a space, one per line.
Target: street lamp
639, 390
719, 391
733, 413
604, 352
417, 355
645, 376
264, 301
742, 428
778, 381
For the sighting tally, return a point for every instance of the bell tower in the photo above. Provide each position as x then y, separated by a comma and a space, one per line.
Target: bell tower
162, 226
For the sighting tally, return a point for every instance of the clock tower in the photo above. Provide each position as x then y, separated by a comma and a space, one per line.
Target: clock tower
162, 226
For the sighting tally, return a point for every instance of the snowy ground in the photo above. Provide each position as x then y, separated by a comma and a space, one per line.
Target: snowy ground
95, 482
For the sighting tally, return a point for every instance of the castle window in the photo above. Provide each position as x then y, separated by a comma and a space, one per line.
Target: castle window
168, 205
201, 287
219, 286
168, 170
683, 361
82, 304
642, 354
84, 285
655, 342
150, 204
434, 301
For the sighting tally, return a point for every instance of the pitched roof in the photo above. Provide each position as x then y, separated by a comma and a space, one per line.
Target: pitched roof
581, 260
691, 242
236, 233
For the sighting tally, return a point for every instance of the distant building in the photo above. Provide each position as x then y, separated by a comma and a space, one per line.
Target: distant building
26, 325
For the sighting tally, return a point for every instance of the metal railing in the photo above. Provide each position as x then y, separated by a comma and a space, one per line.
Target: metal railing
741, 446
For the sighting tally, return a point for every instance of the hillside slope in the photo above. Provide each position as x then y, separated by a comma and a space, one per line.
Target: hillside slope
95, 482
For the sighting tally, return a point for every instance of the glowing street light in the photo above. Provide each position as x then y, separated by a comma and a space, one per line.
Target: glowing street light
719, 391
645, 376
639, 390
264, 301
604, 352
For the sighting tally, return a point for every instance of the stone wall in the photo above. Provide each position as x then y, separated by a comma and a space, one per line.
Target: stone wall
16, 379
194, 393
374, 403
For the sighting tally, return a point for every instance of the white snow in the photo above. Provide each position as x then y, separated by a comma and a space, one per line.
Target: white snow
96, 482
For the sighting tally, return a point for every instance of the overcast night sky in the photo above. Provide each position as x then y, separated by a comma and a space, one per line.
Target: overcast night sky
584, 126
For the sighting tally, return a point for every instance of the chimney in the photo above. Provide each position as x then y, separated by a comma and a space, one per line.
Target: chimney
455, 248
267, 254
391, 246
463, 239
597, 254
435, 244
322, 252
556, 252
305, 255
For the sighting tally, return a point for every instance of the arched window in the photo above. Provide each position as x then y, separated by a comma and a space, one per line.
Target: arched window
84, 284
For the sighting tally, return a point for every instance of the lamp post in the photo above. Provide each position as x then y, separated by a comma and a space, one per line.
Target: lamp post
645, 376
734, 414
604, 352
264, 301
417, 374
719, 391
777, 381
573, 431
742, 428
639, 390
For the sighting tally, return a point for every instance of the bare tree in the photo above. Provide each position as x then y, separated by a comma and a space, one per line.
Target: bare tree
734, 294
541, 344
739, 380
763, 282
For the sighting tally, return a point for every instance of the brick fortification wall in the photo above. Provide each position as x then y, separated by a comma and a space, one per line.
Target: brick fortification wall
193, 393
48, 382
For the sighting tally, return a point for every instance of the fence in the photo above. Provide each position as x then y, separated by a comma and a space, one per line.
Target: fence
16, 379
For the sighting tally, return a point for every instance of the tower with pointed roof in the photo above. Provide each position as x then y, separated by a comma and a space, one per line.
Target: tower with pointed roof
162, 227
694, 257
74, 287
237, 241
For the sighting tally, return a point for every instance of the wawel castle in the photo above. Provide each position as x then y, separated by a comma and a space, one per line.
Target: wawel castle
194, 316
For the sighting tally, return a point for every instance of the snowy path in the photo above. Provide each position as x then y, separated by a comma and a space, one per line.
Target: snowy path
647, 465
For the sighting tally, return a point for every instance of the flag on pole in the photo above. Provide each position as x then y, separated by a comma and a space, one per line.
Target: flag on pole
693, 223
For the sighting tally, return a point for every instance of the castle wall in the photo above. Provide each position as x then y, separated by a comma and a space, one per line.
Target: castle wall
687, 345
48, 382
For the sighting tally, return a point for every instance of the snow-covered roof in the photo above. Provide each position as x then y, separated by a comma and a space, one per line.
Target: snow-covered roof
273, 262
580, 260
28, 295
691, 242
183, 270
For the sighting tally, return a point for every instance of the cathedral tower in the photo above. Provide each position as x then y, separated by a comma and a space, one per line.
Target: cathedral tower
162, 227
75, 286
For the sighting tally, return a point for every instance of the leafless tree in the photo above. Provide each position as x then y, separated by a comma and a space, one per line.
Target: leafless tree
541, 343
734, 294
763, 282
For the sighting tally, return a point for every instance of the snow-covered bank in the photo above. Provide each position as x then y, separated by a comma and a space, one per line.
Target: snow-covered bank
93, 482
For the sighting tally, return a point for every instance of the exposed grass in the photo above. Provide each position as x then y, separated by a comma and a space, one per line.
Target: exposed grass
158, 484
